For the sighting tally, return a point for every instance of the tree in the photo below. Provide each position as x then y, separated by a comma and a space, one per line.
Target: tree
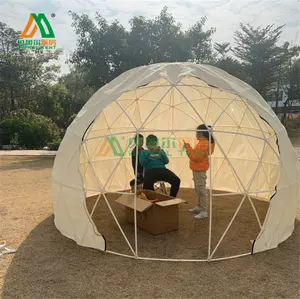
285, 76
9, 66
52, 101
199, 42
231, 66
226, 62
106, 50
291, 82
166, 39
101, 49
21, 69
79, 91
259, 54
26, 129
222, 49
163, 40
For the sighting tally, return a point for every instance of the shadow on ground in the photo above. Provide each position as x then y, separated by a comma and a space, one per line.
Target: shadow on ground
48, 265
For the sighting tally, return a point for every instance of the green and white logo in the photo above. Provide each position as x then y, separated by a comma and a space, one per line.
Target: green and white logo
40, 22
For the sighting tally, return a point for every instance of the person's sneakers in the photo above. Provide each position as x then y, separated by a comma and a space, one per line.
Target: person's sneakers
195, 210
201, 215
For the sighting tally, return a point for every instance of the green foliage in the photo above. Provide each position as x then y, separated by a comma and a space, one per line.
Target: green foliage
29, 130
21, 70
76, 84
231, 66
52, 101
15, 140
222, 49
199, 42
106, 50
290, 72
259, 54
53, 146
71, 119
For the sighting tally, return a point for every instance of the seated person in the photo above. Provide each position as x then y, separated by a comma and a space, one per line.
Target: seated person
154, 160
139, 141
139, 190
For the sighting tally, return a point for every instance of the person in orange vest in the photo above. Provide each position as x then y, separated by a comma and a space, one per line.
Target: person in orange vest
199, 164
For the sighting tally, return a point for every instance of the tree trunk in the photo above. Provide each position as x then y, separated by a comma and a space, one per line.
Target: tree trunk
283, 119
12, 98
277, 97
278, 88
277, 100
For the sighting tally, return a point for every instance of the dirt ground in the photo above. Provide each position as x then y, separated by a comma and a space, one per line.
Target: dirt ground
48, 265
191, 239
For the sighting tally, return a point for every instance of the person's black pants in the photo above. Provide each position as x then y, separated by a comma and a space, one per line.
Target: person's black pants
161, 174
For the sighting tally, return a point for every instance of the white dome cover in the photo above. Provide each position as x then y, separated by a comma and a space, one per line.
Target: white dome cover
69, 199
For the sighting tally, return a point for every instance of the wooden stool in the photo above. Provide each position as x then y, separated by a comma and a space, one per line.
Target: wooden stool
160, 187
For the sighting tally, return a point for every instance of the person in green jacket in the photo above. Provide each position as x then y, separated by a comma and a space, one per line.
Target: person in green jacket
154, 161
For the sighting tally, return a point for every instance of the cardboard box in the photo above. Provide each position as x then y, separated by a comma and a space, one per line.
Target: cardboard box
155, 218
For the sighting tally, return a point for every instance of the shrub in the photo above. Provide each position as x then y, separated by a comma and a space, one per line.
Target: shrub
26, 129
54, 145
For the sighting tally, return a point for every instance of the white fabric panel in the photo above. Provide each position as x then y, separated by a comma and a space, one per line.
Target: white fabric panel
70, 214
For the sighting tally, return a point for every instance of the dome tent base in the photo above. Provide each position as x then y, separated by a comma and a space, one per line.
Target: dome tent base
190, 242
179, 260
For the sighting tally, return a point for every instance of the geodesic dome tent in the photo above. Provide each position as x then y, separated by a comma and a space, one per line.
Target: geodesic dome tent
253, 155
